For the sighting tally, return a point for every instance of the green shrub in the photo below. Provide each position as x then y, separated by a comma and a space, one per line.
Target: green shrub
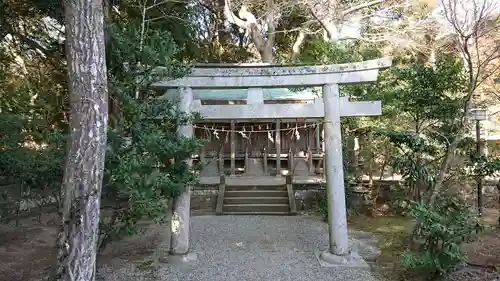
33, 170
441, 229
145, 167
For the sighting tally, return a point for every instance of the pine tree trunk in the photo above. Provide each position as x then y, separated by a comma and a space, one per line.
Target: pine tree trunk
81, 191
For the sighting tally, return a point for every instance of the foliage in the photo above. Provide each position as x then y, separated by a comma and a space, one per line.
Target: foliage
427, 93
427, 97
33, 166
424, 98
324, 52
415, 161
35, 171
482, 166
145, 160
441, 229
421, 110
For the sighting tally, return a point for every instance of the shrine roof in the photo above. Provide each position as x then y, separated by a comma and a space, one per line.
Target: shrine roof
268, 93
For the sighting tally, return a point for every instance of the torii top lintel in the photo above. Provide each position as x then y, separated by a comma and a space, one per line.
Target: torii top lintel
213, 76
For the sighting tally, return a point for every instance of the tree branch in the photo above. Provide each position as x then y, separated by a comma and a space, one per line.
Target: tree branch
231, 17
298, 43
361, 6
37, 46
322, 22
271, 28
210, 9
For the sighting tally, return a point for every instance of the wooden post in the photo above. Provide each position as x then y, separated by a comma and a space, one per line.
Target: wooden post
233, 147
358, 171
290, 162
352, 141
265, 160
318, 143
310, 161
479, 151
202, 158
291, 194
221, 160
370, 159
267, 139
220, 194
278, 148
246, 158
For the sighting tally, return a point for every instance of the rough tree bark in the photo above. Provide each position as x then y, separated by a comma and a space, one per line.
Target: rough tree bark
247, 21
498, 188
81, 191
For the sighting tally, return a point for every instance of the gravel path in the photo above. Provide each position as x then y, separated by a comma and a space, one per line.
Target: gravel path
252, 248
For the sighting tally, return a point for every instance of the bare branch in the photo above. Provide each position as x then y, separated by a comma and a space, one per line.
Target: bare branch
231, 17
270, 21
37, 46
361, 6
157, 4
298, 43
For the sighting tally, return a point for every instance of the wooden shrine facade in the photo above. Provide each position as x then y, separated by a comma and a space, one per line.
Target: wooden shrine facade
251, 148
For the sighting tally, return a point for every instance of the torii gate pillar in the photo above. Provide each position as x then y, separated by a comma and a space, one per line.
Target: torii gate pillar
338, 253
337, 216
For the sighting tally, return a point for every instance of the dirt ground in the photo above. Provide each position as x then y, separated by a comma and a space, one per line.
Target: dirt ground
27, 251
483, 256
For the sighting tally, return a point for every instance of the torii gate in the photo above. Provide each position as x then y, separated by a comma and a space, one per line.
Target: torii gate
331, 108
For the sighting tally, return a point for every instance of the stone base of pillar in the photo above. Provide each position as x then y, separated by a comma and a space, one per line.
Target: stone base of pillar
179, 259
352, 260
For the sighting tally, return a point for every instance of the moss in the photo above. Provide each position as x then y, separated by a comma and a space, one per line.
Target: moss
393, 234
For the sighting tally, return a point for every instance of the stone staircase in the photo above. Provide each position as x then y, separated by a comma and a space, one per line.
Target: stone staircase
257, 200
254, 167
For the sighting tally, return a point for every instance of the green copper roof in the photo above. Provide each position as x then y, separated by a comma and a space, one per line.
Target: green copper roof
269, 94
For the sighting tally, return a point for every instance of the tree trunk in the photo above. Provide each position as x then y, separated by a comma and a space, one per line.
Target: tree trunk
81, 190
498, 188
266, 55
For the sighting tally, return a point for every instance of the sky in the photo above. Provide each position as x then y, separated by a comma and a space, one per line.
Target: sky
465, 12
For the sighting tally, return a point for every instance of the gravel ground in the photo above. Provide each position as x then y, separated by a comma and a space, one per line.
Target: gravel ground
248, 248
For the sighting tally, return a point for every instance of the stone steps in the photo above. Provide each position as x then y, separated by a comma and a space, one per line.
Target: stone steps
256, 200
256, 193
256, 208
280, 187
258, 213
255, 167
